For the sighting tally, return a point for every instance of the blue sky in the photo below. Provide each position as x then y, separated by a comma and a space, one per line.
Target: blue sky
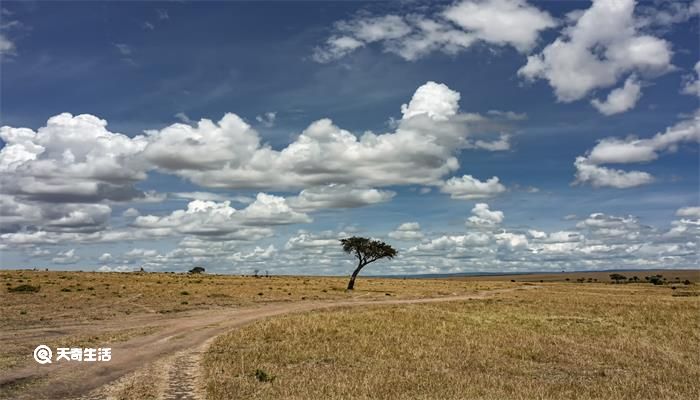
504, 135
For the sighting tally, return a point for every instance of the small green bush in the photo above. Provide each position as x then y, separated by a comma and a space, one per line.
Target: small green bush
263, 376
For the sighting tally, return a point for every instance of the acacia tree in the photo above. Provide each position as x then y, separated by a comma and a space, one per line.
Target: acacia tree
367, 251
617, 277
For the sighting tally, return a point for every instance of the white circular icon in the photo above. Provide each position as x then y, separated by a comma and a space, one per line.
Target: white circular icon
43, 354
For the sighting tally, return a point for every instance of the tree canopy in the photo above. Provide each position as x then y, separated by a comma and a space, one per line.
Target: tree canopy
367, 251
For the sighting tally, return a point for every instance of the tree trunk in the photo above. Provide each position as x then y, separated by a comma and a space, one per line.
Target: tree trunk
351, 284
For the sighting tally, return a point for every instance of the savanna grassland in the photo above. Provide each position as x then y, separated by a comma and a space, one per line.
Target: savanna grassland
558, 341
89, 308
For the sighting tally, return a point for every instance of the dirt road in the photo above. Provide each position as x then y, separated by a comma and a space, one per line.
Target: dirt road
173, 350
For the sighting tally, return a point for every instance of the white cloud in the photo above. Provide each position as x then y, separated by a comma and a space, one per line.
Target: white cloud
7, 46
131, 212
267, 119
485, 217
692, 212
501, 22
183, 118
537, 234
338, 196
105, 257
454, 28
602, 44
200, 196
66, 257
435, 100
597, 176
632, 150
229, 154
318, 242
454, 244
258, 254
220, 221
71, 159
66, 217
620, 99
467, 187
116, 268
124, 49
691, 83
509, 115
511, 241
407, 231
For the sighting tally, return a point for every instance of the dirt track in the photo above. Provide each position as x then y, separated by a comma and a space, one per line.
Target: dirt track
175, 349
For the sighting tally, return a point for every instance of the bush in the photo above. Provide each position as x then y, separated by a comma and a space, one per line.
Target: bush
24, 289
196, 270
184, 293
656, 280
263, 376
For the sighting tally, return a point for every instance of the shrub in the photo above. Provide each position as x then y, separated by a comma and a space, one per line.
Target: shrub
196, 270
686, 282
24, 289
263, 376
184, 293
656, 280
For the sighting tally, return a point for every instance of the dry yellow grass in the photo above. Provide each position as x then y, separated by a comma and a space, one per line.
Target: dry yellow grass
82, 297
96, 304
563, 341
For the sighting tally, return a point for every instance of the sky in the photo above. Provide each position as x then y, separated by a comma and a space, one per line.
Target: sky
472, 136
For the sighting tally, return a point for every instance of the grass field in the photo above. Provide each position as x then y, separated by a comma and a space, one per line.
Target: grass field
91, 298
669, 275
576, 339
561, 341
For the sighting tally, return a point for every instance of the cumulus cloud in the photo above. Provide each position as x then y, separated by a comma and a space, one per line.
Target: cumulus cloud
321, 242
131, 212
632, 150
220, 221
597, 176
338, 196
620, 99
483, 216
467, 187
450, 30
229, 154
71, 159
692, 212
60, 181
407, 231
66, 257
691, 83
16, 214
602, 44
501, 22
